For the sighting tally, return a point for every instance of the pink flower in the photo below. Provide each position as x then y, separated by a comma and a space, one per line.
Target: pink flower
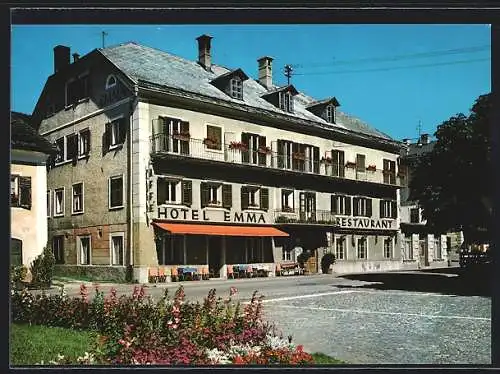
233, 291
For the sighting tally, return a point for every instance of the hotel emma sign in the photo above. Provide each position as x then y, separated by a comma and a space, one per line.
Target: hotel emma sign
185, 214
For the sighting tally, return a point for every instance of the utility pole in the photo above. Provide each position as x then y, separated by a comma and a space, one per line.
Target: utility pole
104, 33
419, 128
288, 73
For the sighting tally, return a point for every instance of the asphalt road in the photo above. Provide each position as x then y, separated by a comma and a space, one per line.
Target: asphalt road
384, 318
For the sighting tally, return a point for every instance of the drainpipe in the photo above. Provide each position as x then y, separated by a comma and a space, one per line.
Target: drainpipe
130, 174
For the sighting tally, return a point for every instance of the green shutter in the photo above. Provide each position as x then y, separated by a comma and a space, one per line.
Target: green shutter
348, 205
262, 156
16, 252
25, 192
316, 160
204, 194
244, 198
394, 209
355, 208
245, 154
264, 198
381, 209
281, 152
187, 192
106, 138
334, 205
368, 207
227, 196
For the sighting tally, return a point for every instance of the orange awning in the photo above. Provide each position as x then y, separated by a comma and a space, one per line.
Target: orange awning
193, 229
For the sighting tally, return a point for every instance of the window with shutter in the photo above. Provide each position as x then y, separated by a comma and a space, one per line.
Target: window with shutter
334, 205
187, 192
355, 203
25, 192
60, 150
122, 132
205, 194
264, 198
16, 252
316, 160
394, 209
244, 198
368, 207
227, 196
382, 209
262, 150
184, 142
281, 154
84, 143
72, 147
348, 205
360, 163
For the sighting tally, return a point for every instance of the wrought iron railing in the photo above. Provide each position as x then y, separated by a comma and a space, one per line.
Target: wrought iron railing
239, 154
298, 216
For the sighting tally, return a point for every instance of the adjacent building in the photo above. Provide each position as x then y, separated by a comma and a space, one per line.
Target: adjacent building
421, 247
165, 162
28, 191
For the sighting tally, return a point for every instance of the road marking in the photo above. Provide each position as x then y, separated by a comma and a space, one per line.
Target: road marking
385, 313
306, 296
408, 293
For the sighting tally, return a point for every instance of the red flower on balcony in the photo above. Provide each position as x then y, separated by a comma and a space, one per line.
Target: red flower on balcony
350, 165
181, 135
371, 168
298, 156
238, 146
264, 149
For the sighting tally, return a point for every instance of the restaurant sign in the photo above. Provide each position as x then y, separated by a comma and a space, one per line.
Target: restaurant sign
364, 223
186, 214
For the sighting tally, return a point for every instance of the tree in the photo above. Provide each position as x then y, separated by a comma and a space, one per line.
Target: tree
454, 182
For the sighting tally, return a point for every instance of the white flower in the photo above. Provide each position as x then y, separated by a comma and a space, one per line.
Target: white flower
275, 342
218, 357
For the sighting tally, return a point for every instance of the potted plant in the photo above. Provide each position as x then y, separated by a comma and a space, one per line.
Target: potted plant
185, 136
298, 156
238, 146
351, 165
264, 149
371, 168
210, 142
327, 260
326, 160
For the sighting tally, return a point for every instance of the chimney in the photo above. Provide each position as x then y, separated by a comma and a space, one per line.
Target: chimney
265, 71
424, 138
76, 57
204, 58
61, 57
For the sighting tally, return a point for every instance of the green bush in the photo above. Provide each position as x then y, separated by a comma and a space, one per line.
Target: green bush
303, 257
42, 268
327, 260
18, 273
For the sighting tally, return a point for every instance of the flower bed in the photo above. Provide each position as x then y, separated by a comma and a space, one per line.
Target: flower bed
136, 330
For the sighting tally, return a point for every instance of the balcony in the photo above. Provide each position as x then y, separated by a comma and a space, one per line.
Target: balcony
236, 153
297, 216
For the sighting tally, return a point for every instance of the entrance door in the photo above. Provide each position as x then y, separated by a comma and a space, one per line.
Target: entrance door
423, 252
307, 206
214, 255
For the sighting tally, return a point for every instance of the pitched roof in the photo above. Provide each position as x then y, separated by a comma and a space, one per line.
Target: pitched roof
24, 136
139, 62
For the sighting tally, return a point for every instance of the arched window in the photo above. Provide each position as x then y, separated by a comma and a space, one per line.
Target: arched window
110, 81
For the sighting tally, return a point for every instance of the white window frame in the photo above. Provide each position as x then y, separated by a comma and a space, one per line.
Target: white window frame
387, 208
286, 101
287, 255
178, 191
238, 83
408, 246
362, 206
109, 191
214, 189
49, 204
80, 248
73, 212
64, 150
114, 124
343, 240
112, 256
80, 144
255, 190
358, 240
341, 204
55, 213
108, 85
389, 240
221, 150
330, 113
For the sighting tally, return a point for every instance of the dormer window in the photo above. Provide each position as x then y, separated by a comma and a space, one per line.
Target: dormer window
330, 113
231, 83
110, 81
236, 88
286, 101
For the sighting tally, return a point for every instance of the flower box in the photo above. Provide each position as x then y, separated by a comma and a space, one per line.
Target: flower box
264, 150
238, 146
351, 165
210, 142
326, 160
371, 168
185, 136
287, 209
214, 202
298, 156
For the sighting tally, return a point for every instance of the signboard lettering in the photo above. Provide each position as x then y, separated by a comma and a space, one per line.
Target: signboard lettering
364, 223
194, 215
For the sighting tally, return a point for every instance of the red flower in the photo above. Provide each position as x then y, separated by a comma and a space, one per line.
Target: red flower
238, 360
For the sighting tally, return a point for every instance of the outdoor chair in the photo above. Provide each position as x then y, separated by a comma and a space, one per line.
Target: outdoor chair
174, 274
204, 273
162, 276
249, 271
230, 273
153, 275
278, 269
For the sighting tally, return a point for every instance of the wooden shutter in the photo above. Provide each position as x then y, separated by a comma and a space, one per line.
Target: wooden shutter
394, 209
355, 208
262, 156
316, 160
227, 196
348, 205
244, 197
25, 192
86, 140
368, 207
187, 192
245, 155
106, 139
204, 194
72, 147
184, 143
381, 210
295, 150
334, 205
264, 198
281, 152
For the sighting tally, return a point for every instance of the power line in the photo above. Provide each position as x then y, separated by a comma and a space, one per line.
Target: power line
397, 67
397, 57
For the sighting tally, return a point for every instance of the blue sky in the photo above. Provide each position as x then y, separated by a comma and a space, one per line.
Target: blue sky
368, 68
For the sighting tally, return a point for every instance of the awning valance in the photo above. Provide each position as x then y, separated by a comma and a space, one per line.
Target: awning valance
197, 229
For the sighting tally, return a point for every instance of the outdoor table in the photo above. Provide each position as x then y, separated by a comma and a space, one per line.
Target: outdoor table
188, 271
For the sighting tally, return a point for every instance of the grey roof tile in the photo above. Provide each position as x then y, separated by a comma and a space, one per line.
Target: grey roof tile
162, 68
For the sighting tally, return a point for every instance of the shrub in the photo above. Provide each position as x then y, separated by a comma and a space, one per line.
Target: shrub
327, 260
42, 268
18, 273
303, 257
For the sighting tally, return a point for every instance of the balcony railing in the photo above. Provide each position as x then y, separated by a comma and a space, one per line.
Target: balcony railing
266, 158
297, 216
